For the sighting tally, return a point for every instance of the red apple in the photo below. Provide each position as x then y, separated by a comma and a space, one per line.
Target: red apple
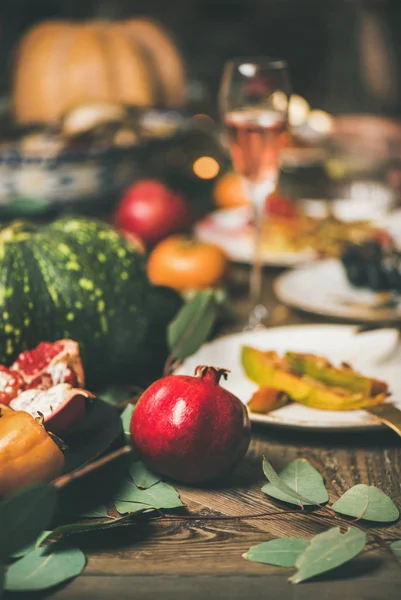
152, 211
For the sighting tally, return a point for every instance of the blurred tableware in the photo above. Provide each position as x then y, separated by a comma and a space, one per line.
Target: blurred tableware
363, 147
294, 232
254, 97
388, 415
46, 169
391, 222
322, 288
371, 354
230, 230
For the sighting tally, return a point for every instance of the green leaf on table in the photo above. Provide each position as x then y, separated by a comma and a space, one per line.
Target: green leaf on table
44, 568
193, 324
141, 476
282, 552
299, 483
24, 516
35, 544
368, 503
126, 421
96, 513
84, 526
328, 550
131, 508
116, 394
396, 548
160, 495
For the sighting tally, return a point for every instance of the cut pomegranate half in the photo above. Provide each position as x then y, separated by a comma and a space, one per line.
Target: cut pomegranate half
49, 364
11, 383
61, 405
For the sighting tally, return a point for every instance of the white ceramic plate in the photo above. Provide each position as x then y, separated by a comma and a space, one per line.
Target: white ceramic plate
322, 288
228, 230
375, 354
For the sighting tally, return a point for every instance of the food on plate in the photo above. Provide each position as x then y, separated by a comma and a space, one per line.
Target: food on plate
285, 230
87, 117
74, 278
61, 405
61, 64
312, 380
152, 211
28, 454
278, 205
186, 264
374, 265
190, 428
230, 191
326, 236
266, 399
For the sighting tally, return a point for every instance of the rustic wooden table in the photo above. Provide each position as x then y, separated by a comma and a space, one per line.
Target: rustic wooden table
202, 559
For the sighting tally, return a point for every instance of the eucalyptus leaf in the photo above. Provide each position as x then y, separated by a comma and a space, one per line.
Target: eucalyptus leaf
39, 540
126, 421
96, 513
192, 325
116, 394
282, 552
24, 516
44, 568
396, 548
84, 526
141, 476
299, 483
160, 495
328, 550
131, 508
368, 503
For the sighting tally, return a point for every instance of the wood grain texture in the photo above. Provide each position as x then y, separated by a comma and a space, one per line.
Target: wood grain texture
201, 559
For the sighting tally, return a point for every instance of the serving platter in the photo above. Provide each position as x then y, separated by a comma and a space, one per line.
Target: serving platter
374, 354
228, 229
322, 288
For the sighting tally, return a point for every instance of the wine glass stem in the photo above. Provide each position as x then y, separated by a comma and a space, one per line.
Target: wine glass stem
258, 194
255, 284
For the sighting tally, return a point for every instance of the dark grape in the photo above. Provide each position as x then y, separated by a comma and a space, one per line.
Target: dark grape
370, 265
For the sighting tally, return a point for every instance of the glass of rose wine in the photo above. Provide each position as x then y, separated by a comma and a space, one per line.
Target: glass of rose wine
254, 97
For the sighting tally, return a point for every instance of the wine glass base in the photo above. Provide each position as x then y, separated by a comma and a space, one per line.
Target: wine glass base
257, 318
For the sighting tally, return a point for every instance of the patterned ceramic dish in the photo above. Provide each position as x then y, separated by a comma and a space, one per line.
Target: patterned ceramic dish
82, 178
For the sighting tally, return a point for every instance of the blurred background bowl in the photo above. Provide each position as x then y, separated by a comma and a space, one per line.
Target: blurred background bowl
41, 174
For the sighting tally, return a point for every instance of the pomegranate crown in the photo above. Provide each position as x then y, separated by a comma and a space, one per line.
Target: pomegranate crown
213, 374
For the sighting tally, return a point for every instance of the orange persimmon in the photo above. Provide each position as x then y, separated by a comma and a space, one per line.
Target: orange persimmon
28, 455
186, 264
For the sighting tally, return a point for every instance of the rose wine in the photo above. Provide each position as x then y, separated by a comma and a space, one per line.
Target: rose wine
256, 137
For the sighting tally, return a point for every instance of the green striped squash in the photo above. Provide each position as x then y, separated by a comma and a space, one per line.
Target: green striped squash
74, 278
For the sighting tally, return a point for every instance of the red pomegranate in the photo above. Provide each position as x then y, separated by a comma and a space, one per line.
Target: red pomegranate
152, 211
190, 428
50, 363
47, 381
61, 405
10, 384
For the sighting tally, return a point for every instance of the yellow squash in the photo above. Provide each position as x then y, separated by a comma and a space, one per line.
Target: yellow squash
268, 369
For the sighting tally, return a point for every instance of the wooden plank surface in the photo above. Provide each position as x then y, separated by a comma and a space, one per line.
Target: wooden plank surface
181, 559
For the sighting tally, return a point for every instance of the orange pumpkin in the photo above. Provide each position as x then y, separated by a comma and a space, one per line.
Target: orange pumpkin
61, 64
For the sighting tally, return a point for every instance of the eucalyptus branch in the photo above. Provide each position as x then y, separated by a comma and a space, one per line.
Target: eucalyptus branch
93, 466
